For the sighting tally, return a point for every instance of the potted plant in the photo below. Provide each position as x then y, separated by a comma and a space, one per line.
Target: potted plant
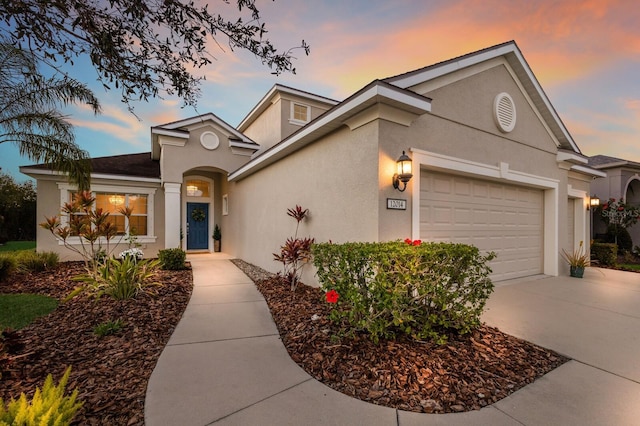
217, 236
577, 260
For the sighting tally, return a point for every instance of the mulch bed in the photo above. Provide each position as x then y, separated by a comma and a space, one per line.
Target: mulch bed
110, 373
467, 373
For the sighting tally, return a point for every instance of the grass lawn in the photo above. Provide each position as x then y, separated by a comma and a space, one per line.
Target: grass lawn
19, 310
631, 266
18, 245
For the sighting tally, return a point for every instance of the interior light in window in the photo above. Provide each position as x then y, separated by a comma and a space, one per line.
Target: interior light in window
116, 200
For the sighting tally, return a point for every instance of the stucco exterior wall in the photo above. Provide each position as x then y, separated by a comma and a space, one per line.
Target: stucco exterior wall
335, 178
461, 125
266, 129
274, 124
176, 160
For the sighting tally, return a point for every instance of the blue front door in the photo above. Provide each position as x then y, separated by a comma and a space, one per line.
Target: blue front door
197, 226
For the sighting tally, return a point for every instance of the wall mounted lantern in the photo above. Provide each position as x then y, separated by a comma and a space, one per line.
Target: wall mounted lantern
593, 202
404, 172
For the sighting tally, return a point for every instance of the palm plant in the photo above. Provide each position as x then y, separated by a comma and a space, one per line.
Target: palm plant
29, 115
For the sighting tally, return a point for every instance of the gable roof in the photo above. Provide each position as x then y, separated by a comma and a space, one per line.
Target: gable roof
178, 129
128, 165
515, 59
375, 92
267, 99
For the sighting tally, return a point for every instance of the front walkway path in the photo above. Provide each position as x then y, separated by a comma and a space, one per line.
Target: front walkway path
225, 364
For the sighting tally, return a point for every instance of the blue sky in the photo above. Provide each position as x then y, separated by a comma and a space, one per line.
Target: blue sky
585, 53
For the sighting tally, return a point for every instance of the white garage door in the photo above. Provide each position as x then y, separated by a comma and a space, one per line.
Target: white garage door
493, 216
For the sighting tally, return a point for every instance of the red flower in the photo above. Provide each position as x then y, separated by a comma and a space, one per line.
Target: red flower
620, 208
332, 296
417, 242
408, 241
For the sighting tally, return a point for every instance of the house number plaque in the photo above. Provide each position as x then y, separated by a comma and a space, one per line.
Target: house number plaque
396, 204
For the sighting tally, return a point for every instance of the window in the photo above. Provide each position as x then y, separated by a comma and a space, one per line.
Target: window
225, 204
197, 188
113, 199
300, 114
113, 203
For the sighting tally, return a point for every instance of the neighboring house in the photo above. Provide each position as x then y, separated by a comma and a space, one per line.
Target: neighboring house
622, 181
493, 166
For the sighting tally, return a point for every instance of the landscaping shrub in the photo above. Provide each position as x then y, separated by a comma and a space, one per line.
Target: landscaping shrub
121, 279
8, 264
621, 235
423, 290
605, 253
47, 407
172, 259
296, 252
36, 262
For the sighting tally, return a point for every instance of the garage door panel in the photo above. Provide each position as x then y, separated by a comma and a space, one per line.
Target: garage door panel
498, 217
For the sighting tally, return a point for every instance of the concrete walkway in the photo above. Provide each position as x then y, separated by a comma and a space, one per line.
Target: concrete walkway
225, 364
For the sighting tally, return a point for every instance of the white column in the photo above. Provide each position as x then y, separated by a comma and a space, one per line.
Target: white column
171, 215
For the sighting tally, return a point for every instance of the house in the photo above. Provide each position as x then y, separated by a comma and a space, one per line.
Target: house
492, 165
622, 182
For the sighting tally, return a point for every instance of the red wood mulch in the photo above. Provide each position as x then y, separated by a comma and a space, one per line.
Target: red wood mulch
465, 374
110, 373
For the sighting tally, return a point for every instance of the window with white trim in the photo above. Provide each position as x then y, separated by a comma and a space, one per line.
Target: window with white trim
112, 200
300, 113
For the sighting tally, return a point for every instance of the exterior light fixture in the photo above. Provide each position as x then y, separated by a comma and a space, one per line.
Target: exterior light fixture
404, 172
593, 202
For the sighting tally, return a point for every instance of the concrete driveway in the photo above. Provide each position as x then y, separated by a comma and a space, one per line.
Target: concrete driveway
596, 322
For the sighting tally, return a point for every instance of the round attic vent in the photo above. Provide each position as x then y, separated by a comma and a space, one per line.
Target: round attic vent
504, 112
209, 140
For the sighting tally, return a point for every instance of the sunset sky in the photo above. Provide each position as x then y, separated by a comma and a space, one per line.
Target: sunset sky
586, 55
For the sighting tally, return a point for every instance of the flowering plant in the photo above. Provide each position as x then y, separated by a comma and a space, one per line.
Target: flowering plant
619, 213
135, 253
413, 242
332, 296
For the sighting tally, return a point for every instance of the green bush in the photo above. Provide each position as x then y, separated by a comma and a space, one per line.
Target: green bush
623, 237
47, 407
424, 290
8, 264
605, 253
172, 259
121, 279
35, 262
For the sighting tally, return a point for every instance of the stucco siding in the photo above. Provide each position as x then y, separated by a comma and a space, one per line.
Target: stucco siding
469, 102
176, 160
335, 178
267, 128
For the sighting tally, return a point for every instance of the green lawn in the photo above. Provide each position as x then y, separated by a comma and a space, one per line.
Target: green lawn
19, 310
18, 245
632, 266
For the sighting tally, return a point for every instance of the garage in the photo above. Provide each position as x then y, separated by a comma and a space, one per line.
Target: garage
494, 216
